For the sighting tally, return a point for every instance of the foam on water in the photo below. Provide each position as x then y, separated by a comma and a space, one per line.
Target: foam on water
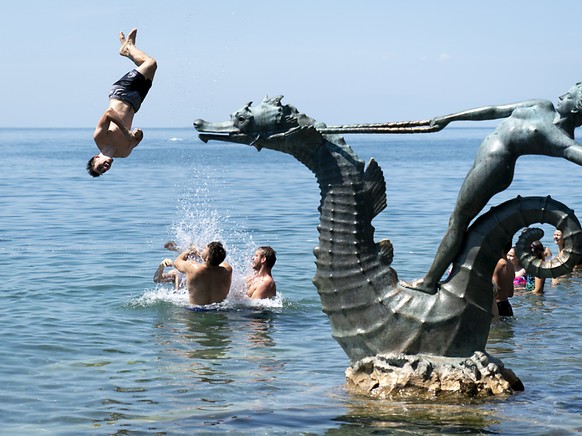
160, 294
235, 300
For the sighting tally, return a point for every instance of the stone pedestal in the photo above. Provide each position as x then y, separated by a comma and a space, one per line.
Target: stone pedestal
426, 376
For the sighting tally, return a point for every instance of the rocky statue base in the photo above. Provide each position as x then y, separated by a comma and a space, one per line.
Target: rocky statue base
399, 375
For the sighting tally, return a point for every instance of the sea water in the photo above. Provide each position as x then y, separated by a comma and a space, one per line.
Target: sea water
90, 345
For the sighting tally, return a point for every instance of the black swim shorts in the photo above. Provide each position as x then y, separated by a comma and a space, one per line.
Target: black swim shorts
131, 88
504, 308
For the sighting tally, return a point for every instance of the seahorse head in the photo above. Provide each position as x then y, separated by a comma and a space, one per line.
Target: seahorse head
265, 125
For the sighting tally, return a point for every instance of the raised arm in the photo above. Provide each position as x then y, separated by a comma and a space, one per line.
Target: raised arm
159, 276
484, 113
171, 245
181, 263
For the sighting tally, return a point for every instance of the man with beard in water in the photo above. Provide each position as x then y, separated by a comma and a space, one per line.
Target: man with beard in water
261, 284
208, 282
113, 134
530, 127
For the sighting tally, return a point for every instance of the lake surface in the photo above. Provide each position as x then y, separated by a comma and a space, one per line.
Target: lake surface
92, 346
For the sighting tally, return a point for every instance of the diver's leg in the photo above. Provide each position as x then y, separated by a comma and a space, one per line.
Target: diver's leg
145, 63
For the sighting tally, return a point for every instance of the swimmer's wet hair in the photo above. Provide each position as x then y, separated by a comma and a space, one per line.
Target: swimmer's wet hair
90, 169
537, 248
216, 253
270, 255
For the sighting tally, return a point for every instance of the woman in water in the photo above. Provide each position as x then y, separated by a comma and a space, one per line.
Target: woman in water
534, 284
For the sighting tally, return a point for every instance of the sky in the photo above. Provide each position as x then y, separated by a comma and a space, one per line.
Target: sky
337, 61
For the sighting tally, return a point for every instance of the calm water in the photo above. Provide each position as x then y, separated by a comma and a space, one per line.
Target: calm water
91, 346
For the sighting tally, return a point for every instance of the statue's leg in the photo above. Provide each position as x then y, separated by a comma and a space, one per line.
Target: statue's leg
487, 177
448, 248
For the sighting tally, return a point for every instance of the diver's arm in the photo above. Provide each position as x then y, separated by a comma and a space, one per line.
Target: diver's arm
111, 116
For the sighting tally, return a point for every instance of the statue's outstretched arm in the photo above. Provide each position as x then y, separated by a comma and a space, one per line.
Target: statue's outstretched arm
572, 151
483, 113
435, 124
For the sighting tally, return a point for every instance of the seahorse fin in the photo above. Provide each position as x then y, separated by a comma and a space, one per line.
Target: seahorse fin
385, 251
375, 186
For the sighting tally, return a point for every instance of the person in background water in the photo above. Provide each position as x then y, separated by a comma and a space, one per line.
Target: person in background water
208, 282
559, 241
519, 280
558, 238
547, 253
503, 276
261, 284
534, 284
172, 276
113, 134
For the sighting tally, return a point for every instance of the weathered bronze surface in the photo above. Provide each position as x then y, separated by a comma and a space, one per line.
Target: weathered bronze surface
370, 312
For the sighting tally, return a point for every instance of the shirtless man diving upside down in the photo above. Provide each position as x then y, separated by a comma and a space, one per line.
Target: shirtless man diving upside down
113, 134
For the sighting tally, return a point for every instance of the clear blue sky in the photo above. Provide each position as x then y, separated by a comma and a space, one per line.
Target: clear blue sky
337, 61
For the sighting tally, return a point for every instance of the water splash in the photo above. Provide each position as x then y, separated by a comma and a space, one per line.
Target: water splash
198, 222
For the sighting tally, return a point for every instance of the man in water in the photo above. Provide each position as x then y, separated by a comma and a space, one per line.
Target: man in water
503, 277
112, 134
531, 127
208, 282
261, 284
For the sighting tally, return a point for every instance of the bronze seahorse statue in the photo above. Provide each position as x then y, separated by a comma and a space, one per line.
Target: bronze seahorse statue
369, 312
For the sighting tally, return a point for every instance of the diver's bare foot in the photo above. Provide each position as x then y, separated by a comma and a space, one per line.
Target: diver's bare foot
131, 36
127, 42
419, 285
